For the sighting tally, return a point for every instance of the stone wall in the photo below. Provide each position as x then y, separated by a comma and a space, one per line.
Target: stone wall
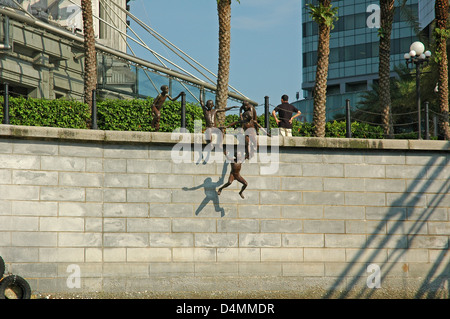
84, 211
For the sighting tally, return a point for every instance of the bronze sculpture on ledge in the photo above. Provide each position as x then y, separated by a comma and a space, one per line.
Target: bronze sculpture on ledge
158, 104
210, 112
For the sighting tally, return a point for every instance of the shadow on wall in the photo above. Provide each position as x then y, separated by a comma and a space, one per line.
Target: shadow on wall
398, 213
209, 187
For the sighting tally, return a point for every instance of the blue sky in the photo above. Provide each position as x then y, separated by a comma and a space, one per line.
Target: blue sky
265, 40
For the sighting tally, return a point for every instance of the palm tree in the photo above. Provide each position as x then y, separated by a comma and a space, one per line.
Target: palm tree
384, 68
223, 72
324, 15
90, 57
441, 35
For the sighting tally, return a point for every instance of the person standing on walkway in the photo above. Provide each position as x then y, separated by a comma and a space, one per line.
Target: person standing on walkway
285, 111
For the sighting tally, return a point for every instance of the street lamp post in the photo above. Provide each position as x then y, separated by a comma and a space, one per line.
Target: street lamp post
418, 56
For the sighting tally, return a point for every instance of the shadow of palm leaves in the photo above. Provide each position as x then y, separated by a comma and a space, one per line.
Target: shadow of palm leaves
409, 199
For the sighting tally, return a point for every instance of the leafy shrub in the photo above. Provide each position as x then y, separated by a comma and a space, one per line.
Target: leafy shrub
52, 113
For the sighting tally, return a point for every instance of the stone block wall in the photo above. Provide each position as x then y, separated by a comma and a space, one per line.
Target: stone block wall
85, 211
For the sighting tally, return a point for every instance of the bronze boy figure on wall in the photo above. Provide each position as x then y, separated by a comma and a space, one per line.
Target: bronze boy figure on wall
158, 104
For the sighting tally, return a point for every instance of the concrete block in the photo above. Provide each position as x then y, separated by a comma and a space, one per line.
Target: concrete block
114, 255
381, 241
347, 184
407, 227
231, 254
194, 225
79, 239
323, 226
125, 210
237, 225
171, 181
289, 169
6, 145
22, 162
438, 200
324, 254
149, 254
260, 240
385, 185
365, 227
140, 166
66, 255
433, 242
5, 176
427, 214
94, 165
323, 170
385, 213
344, 157
345, 240
171, 210
65, 164
151, 225
302, 211
302, 240
281, 226
94, 195
18, 254
80, 209
280, 198
31, 208
115, 165
35, 270
438, 228
302, 183
191, 254
406, 199
409, 256
125, 151
149, 195
364, 171
80, 150
126, 180
281, 254
61, 224
93, 255
125, 240
34, 178
69, 194
323, 198
19, 223
16, 192
171, 240
34, 239
402, 171
81, 179
344, 212
365, 199
366, 255
114, 225
94, 225
215, 240
115, 195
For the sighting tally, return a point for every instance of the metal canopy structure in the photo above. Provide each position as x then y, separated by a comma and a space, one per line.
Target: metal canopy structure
121, 73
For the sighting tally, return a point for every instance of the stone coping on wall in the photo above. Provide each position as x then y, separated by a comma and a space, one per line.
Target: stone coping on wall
133, 137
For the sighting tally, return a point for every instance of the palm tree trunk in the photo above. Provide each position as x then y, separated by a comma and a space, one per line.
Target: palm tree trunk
320, 88
441, 12
223, 73
384, 68
90, 58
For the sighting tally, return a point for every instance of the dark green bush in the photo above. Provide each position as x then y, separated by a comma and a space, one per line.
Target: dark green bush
135, 115
52, 113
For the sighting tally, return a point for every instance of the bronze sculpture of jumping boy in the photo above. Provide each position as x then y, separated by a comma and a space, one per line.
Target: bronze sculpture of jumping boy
158, 104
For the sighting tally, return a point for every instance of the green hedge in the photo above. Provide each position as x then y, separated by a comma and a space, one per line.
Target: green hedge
135, 115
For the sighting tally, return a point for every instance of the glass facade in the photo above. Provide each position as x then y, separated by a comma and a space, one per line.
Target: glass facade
354, 45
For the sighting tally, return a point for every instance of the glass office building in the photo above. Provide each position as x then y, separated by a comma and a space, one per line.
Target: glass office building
354, 45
